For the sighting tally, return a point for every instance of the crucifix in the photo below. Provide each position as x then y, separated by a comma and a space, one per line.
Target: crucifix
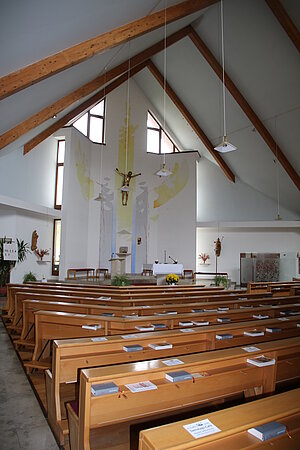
125, 187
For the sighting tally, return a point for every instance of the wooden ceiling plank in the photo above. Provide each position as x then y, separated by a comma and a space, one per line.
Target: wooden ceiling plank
29, 75
47, 113
191, 120
242, 102
79, 109
285, 21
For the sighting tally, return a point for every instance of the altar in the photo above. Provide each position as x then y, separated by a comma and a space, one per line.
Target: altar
161, 270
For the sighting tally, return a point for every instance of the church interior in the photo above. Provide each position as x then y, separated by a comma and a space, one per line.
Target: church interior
150, 224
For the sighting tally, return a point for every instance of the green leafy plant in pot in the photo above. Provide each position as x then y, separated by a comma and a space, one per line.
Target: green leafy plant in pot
30, 276
6, 266
120, 280
221, 281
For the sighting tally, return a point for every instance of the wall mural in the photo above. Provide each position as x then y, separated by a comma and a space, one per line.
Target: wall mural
86, 184
173, 185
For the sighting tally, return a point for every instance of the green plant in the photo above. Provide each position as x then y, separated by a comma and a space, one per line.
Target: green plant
30, 276
6, 266
220, 280
120, 280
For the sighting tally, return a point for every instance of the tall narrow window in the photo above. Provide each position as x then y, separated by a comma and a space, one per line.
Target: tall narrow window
91, 124
61, 145
56, 246
157, 139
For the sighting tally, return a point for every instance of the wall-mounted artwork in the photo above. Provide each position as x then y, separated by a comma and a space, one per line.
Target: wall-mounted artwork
173, 185
86, 184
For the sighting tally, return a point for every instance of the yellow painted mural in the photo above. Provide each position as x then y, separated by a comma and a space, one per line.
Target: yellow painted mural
124, 213
173, 185
86, 184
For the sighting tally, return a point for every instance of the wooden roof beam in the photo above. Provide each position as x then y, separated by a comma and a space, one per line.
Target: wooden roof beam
242, 102
47, 113
79, 109
285, 21
191, 120
29, 75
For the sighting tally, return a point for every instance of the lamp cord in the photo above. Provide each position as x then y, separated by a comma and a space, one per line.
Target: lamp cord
165, 75
223, 71
128, 111
277, 173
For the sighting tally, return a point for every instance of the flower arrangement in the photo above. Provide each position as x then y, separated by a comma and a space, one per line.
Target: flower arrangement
204, 257
172, 278
40, 253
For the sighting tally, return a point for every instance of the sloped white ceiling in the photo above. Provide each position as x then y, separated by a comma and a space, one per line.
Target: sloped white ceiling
259, 57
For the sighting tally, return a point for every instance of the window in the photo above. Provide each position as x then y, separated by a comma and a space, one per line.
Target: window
157, 139
56, 246
91, 124
61, 145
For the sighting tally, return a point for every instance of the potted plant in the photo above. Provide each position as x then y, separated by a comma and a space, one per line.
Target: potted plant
30, 276
120, 280
172, 278
6, 265
220, 280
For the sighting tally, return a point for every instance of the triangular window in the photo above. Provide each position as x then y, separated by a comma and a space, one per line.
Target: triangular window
91, 124
157, 139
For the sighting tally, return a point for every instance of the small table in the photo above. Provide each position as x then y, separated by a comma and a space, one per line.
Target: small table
104, 271
75, 271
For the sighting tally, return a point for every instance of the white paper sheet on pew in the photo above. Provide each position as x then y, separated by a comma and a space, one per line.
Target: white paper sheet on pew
172, 362
251, 348
202, 428
99, 339
104, 298
129, 336
187, 330
141, 386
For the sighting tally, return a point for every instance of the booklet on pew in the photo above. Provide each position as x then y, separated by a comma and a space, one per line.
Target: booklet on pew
95, 326
197, 310
273, 329
223, 308
159, 326
132, 348
254, 333
224, 336
298, 325
246, 306
160, 346
223, 319
145, 328
104, 388
268, 430
179, 375
260, 316
286, 312
130, 316
210, 310
104, 298
185, 324
261, 361
141, 386
201, 322
107, 314
165, 313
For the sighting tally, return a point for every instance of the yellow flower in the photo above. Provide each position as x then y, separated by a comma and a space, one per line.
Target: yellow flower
172, 278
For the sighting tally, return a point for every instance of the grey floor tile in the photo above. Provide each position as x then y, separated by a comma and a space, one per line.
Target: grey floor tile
20, 411
9, 439
37, 438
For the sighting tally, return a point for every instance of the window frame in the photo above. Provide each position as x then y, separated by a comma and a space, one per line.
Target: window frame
161, 131
98, 116
58, 164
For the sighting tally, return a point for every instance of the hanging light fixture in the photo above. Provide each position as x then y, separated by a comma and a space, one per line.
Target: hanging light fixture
163, 172
224, 146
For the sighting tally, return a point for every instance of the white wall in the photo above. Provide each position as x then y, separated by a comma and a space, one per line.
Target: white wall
16, 224
243, 239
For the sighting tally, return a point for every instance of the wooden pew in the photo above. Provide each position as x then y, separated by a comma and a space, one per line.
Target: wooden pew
233, 424
91, 307
59, 325
105, 420
263, 286
70, 355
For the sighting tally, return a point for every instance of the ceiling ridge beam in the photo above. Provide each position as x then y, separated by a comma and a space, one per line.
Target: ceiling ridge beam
244, 105
55, 108
46, 67
79, 109
191, 120
285, 21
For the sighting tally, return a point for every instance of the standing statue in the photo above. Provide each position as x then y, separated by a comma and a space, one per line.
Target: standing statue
34, 239
218, 247
125, 187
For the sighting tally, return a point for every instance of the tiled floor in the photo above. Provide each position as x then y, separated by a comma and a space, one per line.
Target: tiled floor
22, 423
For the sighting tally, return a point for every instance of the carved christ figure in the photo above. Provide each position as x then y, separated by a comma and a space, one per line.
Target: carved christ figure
125, 187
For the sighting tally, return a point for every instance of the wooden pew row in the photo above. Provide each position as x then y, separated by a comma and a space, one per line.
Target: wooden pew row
16, 312
263, 286
295, 290
50, 325
105, 420
233, 424
115, 292
70, 355
31, 306
96, 293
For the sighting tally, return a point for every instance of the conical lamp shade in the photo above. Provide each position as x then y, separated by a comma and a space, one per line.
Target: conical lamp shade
163, 172
225, 146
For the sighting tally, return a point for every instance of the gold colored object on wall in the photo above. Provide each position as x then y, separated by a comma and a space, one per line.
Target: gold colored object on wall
34, 239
